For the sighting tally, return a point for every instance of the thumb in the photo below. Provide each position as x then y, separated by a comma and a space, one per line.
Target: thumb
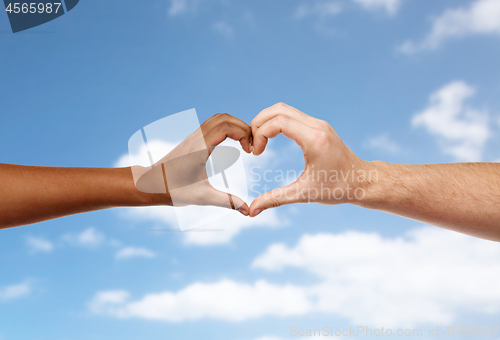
223, 199
292, 193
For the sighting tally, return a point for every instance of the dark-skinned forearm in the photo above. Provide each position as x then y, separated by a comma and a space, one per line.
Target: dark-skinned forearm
30, 194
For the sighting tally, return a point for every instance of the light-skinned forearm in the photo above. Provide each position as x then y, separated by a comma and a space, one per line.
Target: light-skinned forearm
464, 197
31, 194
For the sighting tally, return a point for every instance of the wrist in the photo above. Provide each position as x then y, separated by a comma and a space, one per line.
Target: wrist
367, 182
140, 198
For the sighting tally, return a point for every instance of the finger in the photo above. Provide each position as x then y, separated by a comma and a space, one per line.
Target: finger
219, 198
222, 118
224, 130
289, 127
293, 193
283, 109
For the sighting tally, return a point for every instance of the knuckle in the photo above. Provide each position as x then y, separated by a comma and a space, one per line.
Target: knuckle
259, 137
280, 105
324, 123
274, 202
321, 137
224, 126
242, 137
281, 119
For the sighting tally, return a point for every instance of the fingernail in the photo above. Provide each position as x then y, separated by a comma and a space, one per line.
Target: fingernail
256, 212
243, 211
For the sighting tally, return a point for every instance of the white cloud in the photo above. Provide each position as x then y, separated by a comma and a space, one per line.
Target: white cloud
480, 17
462, 131
232, 225
390, 6
384, 143
224, 300
224, 29
129, 252
427, 276
103, 300
15, 291
38, 244
323, 9
89, 238
221, 231
178, 7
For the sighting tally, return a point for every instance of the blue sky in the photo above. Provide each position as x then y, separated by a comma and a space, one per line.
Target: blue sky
399, 80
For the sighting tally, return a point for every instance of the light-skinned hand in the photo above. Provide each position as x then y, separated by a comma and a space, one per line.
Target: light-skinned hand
331, 169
